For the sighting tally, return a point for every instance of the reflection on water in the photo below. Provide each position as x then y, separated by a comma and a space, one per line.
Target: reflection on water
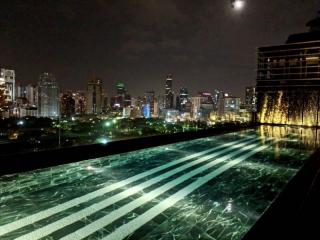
209, 188
308, 138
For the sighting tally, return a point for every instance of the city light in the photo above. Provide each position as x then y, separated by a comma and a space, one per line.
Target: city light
103, 140
20, 123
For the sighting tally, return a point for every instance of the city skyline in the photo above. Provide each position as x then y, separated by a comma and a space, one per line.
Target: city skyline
132, 42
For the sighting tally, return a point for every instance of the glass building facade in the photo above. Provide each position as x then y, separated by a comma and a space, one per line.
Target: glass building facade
288, 80
48, 96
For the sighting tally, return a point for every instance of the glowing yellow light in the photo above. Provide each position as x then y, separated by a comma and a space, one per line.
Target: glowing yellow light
312, 58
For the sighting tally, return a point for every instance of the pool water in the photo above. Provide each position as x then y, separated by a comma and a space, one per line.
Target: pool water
209, 188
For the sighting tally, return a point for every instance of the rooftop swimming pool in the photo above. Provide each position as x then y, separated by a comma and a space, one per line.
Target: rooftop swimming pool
209, 188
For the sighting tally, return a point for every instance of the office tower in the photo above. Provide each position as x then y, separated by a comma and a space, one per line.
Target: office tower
94, 96
251, 99
146, 110
206, 104
104, 105
67, 104
149, 98
182, 99
32, 94
215, 98
80, 102
155, 109
121, 94
48, 96
121, 90
161, 99
231, 104
127, 100
220, 103
116, 102
195, 107
168, 92
288, 79
8, 84
21, 91
122, 99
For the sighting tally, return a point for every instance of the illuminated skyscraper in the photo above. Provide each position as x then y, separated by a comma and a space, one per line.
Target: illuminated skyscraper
7, 83
48, 96
168, 92
80, 101
251, 99
67, 104
122, 99
182, 99
121, 90
32, 94
149, 99
94, 96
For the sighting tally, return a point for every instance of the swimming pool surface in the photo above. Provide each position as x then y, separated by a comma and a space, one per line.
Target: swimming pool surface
209, 188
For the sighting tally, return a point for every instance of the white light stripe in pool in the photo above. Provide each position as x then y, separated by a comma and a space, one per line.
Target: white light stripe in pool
77, 216
130, 227
116, 214
12, 226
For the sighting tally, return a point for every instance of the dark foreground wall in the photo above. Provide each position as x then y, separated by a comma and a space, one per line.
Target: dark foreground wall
295, 214
21, 162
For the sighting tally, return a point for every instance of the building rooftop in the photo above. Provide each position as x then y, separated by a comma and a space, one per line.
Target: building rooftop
312, 35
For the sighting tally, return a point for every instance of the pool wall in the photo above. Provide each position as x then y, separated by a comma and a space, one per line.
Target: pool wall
16, 162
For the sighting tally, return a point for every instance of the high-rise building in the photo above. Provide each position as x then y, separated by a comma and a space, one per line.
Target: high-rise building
121, 90
146, 110
182, 99
149, 99
215, 98
21, 91
48, 96
127, 100
251, 99
288, 79
80, 101
122, 99
206, 104
169, 92
94, 96
116, 102
32, 94
8, 84
67, 104
231, 104
195, 107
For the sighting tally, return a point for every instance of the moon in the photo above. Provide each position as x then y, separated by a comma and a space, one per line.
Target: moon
238, 4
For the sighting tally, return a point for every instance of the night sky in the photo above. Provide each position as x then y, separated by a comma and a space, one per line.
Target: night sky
206, 45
